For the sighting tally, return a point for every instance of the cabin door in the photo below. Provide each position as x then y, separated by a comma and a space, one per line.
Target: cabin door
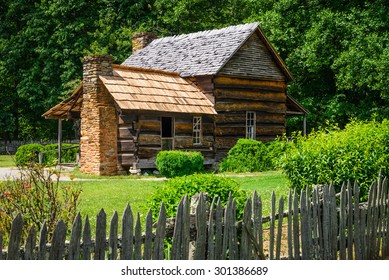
167, 133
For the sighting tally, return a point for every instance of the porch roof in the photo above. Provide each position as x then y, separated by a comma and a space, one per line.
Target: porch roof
69, 108
138, 89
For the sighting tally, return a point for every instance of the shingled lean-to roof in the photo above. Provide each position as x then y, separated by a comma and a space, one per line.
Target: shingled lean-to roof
158, 91
138, 89
69, 108
200, 53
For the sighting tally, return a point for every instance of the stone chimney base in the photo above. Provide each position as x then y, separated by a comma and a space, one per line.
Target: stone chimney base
99, 124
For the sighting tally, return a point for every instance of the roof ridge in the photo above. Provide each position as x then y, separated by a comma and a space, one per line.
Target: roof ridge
240, 27
125, 67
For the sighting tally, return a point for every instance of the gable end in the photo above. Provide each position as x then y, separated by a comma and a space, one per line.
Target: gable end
253, 60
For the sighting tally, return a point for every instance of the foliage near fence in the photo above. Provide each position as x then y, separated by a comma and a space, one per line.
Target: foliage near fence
357, 152
317, 225
38, 195
171, 192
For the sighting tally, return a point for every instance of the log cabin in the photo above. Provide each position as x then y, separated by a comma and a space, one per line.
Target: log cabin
196, 92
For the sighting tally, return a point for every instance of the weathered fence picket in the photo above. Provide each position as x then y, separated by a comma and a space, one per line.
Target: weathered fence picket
30, 244
211, 231
296, 229
87, 241
257, 227
342, 226
113, 237
15, 238
219, 254
100, 245
279, 231
57, 249
272, 225
127, 234
138, 239
75, 239
201, 229
319, 225
357, 225
158, 253
316, 225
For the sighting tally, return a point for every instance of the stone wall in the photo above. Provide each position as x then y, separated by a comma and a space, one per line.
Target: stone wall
98, 143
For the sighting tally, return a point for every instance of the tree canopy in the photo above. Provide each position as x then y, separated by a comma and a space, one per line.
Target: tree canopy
336, 50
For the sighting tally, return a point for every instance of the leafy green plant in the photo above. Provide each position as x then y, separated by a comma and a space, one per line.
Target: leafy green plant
215, 186
246, 156
275, 150
27, 154
38, 197
179, 163
50, 156
332, 155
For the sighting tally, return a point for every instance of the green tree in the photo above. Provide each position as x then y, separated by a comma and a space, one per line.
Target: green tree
185, 16
337, 52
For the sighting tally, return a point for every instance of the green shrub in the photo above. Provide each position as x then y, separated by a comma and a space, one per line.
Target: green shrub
215, 186
38, 198
357, 152
276, 150
246, 156
179, 163
27, 154
50, 156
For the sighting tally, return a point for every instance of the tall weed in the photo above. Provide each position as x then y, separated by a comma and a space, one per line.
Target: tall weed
39, 197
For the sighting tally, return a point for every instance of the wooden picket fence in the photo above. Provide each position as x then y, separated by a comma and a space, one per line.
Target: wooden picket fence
317, 225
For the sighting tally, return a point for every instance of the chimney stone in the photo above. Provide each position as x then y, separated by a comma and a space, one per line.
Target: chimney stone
141, 40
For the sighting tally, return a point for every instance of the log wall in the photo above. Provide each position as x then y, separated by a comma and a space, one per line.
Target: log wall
234, 97
140, 139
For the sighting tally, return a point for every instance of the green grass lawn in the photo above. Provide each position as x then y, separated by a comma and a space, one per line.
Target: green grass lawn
7, 161
113, 194
265, 183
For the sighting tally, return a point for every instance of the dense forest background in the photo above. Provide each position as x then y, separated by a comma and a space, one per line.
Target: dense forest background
337, 50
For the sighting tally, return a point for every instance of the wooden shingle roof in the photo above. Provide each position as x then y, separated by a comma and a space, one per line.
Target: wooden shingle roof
157, 91
201, 53
138, 89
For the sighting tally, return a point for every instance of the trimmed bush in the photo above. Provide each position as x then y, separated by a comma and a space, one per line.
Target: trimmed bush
27, 154
246, 156
179, 163
215, 186
331, 155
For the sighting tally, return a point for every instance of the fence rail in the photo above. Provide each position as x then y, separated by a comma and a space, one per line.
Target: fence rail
317, 225
10, 147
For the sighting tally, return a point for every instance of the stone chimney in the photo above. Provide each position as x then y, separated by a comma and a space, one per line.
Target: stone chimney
99, 125
141, 40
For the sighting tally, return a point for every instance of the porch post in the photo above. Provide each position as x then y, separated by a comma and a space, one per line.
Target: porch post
59, 142
305, 125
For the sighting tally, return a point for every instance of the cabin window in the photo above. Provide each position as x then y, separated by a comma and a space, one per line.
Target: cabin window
167, 133
196, 130
250, 125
